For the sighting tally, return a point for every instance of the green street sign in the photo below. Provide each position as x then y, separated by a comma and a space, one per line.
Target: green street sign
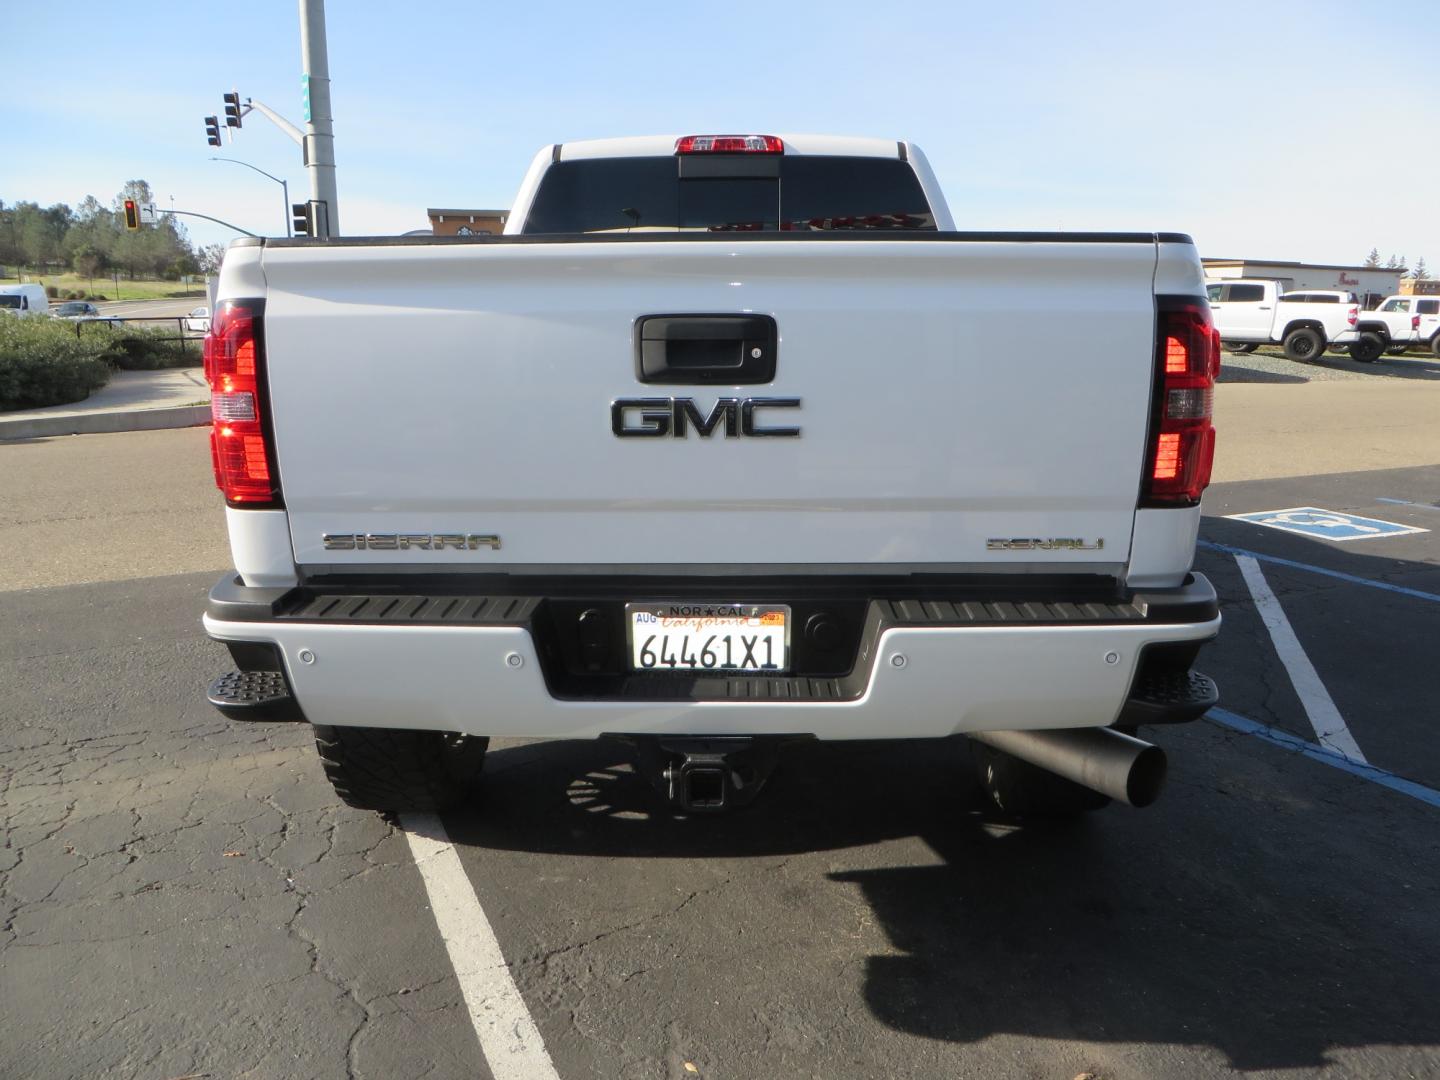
305, 97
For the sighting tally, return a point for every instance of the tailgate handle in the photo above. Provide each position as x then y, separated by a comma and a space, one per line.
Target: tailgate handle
691, 350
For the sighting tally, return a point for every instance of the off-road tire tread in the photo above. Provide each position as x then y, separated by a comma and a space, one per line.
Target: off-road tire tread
1294, 355
387, 770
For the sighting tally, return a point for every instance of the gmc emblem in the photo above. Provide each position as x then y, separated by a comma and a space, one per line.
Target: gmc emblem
655, 418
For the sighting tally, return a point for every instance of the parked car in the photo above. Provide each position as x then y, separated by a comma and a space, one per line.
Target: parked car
83, 311
757, 477
25, 301
1252, 312
198, 320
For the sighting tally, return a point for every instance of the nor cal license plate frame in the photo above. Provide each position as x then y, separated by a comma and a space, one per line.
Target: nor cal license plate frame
704, 610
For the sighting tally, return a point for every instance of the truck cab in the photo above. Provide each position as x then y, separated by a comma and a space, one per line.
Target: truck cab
1428, 332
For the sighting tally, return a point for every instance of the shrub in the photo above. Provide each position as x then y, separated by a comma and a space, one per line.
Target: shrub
43, 362
145, 348
52, 291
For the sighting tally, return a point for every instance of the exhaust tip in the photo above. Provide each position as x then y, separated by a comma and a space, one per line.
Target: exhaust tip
1147, 777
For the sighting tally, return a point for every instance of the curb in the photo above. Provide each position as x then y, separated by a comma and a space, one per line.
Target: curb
96, 423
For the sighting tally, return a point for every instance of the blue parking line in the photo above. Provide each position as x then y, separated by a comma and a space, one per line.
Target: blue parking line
1354, 579
1325, 756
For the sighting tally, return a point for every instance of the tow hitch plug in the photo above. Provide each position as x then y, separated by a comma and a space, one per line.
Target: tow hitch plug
708, 775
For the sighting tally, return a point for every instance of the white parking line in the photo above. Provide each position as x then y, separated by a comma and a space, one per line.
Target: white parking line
1324, 717
508, 1037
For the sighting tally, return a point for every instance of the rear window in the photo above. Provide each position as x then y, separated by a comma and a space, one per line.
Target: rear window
1245, 293
1319, 298
1427, 307
10, 300
801, 193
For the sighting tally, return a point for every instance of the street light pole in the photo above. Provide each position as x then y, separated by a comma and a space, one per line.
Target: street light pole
319, 123
284, 188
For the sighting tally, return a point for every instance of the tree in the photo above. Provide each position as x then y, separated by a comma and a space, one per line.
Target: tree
88, 261
1393, 262
1373, 259
210, 256
1421, 271
90, 209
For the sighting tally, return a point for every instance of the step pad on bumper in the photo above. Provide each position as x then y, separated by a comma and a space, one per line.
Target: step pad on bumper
1169, 697
255, 695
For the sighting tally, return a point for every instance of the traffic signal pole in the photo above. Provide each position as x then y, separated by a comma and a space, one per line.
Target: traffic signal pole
319, 124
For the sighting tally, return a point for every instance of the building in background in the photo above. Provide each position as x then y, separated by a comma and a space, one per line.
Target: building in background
1370, 283
467, 222
1420, 286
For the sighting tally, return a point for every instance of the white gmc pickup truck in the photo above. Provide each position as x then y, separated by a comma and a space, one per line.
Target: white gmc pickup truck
728, 443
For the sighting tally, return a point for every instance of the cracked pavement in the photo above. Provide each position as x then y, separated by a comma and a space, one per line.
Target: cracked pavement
183, 896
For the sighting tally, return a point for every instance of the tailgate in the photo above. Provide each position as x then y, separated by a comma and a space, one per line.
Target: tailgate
952, 394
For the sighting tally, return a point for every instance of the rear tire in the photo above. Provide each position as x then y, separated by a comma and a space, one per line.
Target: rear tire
382, 769
1435, 345
1020, 789
1367, 348
1303, 344
1396, 350
1240, 346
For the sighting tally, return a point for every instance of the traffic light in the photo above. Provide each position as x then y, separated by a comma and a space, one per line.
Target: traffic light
212, 130
232, 109
132, 215
304, 215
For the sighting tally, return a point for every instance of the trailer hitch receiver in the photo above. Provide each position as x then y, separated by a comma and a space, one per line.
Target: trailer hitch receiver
708, 775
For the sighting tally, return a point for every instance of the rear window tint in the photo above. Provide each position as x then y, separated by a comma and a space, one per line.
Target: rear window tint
1427, 307
1245, 293
810, 193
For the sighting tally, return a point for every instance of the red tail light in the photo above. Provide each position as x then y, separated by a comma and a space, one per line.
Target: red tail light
1353, 316
240, 444
1414, 322
729, 144
1182, 439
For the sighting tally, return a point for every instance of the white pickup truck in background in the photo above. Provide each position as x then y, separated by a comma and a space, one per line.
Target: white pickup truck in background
1398, 323
728, 443
1252, 312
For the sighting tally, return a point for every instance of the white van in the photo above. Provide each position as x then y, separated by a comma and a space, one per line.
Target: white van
24, 300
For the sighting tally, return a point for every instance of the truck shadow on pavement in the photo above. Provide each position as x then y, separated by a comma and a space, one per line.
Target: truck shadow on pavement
1255, 367
1183, 925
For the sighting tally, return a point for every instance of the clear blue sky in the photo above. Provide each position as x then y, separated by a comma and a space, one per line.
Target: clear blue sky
1246, 125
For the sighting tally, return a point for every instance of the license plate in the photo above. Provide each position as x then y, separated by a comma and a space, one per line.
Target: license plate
709, 637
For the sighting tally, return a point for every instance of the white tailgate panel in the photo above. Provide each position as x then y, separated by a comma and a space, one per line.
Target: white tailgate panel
953, 392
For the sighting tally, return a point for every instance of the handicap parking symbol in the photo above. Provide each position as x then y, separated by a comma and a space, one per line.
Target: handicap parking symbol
1327, 524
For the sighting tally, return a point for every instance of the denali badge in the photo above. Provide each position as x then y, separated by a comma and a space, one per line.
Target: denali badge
654, 418
406, 541
1054, 544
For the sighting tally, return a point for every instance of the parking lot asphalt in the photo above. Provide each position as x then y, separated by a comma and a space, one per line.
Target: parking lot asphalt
183, 896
